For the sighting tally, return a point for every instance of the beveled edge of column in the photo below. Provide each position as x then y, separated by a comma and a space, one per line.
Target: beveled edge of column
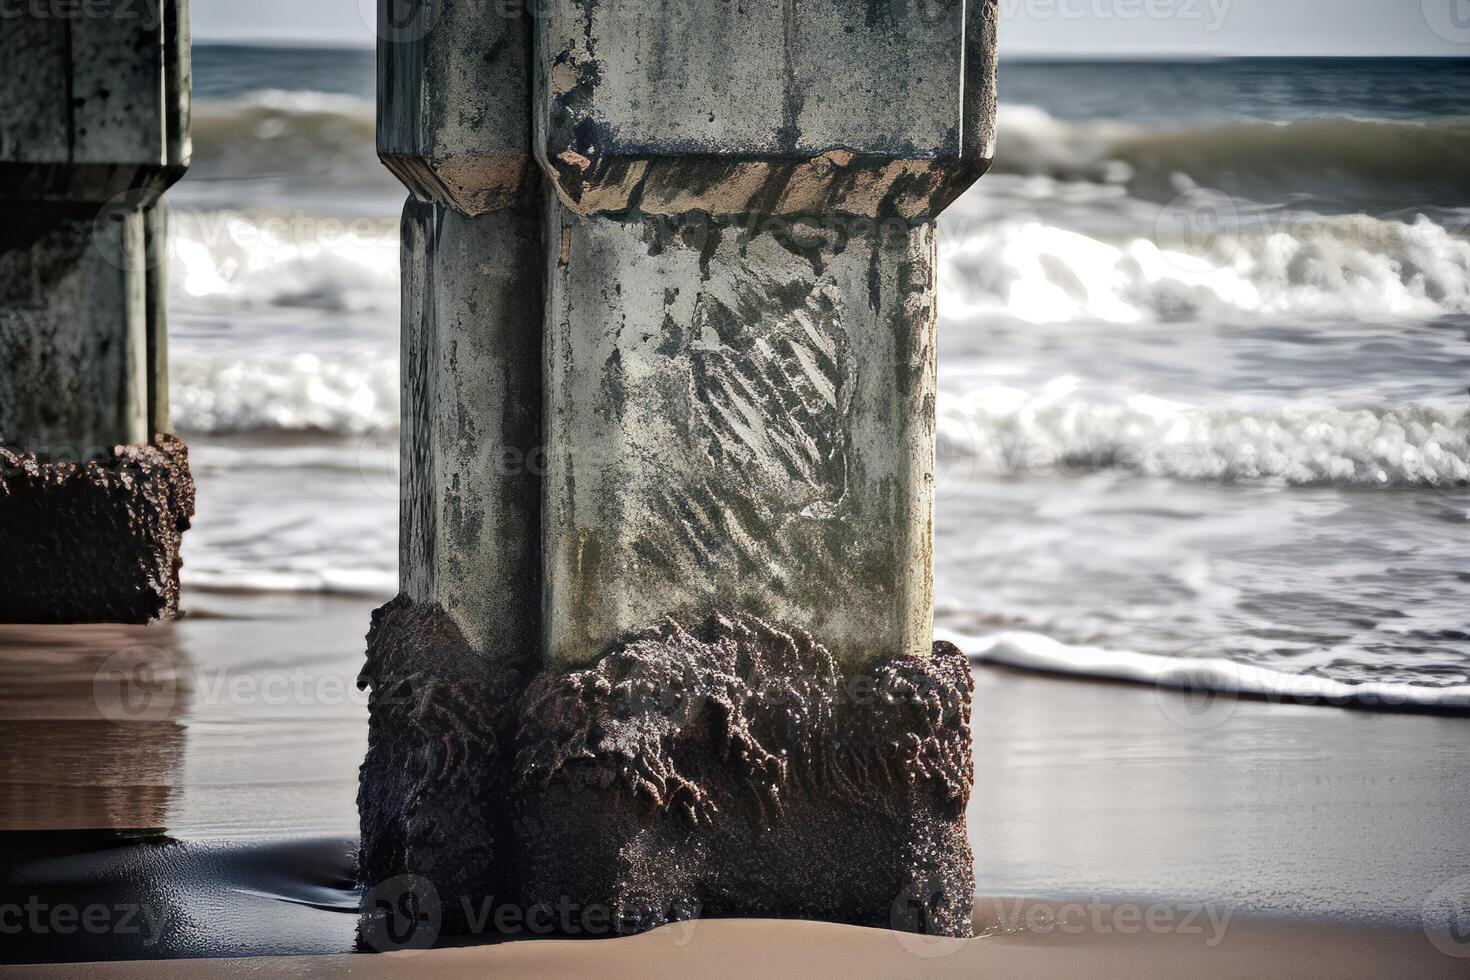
448, 126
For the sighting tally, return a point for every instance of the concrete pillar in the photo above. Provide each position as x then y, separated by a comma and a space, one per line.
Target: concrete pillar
733, 705
446, 658
94, 492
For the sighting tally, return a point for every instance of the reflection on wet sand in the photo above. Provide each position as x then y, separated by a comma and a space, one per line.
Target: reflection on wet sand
241, 720
90, 730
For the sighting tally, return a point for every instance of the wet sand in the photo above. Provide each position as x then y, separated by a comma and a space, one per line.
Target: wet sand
819, 950
1304, 841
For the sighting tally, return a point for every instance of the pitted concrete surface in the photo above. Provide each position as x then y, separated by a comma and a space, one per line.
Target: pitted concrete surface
95, 495
471, 432
686, 378
744, 422
74, 373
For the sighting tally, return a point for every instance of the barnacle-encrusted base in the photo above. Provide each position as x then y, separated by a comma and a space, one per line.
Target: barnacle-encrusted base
726, 770
97, 541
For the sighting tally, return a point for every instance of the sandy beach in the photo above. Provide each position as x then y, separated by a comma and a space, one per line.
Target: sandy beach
220, 752
802, 949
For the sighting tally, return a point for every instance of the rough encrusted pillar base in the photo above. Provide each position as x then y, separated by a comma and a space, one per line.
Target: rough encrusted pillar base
731, 770
725, 770
431, 793
95, 541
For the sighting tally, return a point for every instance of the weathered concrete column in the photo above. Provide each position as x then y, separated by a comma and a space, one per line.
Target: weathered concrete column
94, 491
726, 700
742, 712
446, 657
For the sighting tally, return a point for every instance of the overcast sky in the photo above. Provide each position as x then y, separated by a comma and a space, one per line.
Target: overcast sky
1121, 27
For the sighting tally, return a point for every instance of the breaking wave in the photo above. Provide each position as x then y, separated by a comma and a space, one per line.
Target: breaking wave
1349, 267
1195, 675
234, 260
304, 393
1343, 158
274, 132
1002, 431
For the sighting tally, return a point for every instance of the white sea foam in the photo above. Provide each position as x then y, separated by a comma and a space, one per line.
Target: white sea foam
231, 260
299, 394
1007, 431
1351, 267
1034, 651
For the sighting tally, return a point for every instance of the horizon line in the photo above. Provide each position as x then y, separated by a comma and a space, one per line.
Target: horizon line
1029, 54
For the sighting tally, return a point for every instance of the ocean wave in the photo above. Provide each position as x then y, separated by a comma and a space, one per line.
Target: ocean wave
233, 260
1343, 158
287, 133
304, 393
1195, 675
1003, 431
1350, 267
346, 581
